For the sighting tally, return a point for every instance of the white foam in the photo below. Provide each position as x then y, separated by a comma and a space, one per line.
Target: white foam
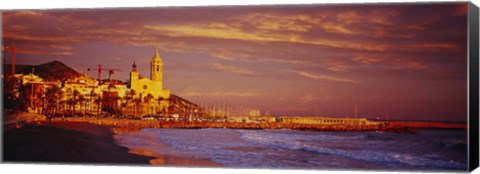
292, 142
284, 148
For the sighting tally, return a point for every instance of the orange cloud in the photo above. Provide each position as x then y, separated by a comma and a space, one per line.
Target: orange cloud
373, 16
296, 23
222, 31
294, 62
335, 28
27, 13
436, 47
324, 77
307, 99
228, 53
348, 17
189, 92
394, 63
223, 54
422, 25
233, 69
39, 51
26, 37
382, 16
402, 63
367, 60
335, 65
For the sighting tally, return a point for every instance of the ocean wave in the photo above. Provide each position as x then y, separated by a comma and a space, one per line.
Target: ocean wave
291, 142
453, 145
286, 148
300, 135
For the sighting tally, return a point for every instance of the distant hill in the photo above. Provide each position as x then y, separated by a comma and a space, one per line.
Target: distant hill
51, 71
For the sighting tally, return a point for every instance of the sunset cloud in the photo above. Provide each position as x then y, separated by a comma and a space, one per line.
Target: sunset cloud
307, 99
294, 62
295, 23
275, 51
394, 63
336, 66
335, 28
367, 60
324, 77
28, 13
233, 69
223, 55
219, 93
222, 31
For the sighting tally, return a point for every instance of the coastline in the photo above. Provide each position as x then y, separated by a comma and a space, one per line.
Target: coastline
89, 142
162, 159
80, 143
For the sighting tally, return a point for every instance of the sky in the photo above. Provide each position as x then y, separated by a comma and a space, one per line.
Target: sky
404, 61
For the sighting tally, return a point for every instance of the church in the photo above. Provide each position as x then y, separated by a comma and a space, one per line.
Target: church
150, 92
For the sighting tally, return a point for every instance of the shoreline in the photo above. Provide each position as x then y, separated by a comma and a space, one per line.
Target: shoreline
88, 144
162, 159
66, 142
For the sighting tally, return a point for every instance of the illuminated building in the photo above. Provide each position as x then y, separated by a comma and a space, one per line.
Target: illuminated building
150, 92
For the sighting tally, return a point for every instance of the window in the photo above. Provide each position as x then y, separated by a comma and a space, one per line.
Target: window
158, 67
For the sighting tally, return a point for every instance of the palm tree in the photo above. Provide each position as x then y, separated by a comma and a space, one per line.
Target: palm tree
147, 99
130, 96
91, 100
74, 100
82, 100
137, 110
160, 108
116, 110
53, 96
98, 101
23, 98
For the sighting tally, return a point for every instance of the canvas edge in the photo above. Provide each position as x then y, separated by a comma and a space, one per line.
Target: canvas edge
473, 67
1, 90
473, 119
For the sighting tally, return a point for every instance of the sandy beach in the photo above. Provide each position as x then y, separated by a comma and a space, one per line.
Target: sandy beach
64, 142
84, 143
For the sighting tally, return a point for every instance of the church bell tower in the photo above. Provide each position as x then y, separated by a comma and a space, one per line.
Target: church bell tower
156, 68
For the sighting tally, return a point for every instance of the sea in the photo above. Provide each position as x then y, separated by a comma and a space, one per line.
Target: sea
428, 150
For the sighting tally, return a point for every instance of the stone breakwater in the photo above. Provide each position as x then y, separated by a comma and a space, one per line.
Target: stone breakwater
134, 124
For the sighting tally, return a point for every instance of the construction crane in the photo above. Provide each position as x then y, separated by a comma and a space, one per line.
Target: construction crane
100, 69
12, 49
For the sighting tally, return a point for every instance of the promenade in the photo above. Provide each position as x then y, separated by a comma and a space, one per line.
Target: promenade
16, 120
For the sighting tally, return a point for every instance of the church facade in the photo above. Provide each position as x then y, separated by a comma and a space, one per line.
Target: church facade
149, 92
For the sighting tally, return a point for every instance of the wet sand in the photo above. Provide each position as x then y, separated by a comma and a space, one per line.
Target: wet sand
166, 160
83, 143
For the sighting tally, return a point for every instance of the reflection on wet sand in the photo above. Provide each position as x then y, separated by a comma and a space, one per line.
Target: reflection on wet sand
167, 160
